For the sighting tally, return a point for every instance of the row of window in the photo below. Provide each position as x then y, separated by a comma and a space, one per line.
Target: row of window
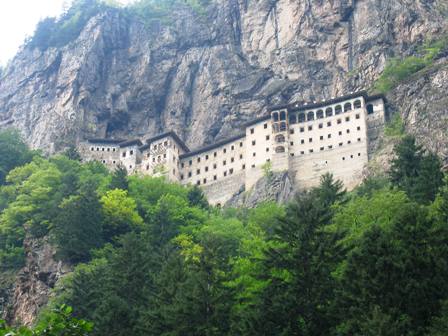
215, 154
340, 144
103, 149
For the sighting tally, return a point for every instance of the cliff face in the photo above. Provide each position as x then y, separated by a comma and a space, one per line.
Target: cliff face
202, 76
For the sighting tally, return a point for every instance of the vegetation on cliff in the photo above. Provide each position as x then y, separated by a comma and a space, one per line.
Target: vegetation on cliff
153, 258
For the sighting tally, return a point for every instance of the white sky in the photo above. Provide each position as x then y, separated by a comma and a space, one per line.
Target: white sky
18, 19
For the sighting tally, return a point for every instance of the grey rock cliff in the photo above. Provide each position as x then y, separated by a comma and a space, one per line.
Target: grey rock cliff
202, 76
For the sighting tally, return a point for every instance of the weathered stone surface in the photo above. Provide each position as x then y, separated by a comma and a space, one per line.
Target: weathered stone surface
276, 188
204, 76
35, 281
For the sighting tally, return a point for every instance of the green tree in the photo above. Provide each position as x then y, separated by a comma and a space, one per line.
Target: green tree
77, 229
415, 171
197, 198
119, 179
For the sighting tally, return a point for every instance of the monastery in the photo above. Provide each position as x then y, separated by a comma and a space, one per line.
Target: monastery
307, 140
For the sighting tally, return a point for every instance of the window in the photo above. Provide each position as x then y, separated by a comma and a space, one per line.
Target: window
243, 167
198, 171
267, 149
224, 150
113, 149
230, 171
214, 166
92, 149
340, 133
215, 154
224, 163
147, 167
181, 176
321, 137
204, 181
321, 125
254, 154
310, 128
189, 174
348, 131
302, 129
291, 143
253, 166
357, 116
347, 107
252, 131
232, 159
124, 154
351, 156
322, 148
190, 162
282, 115
241, 156
199, 159
280, 138
343, 158
108, 149
329, 123
302, 152
164, 156
359, 139
339, 121
338, 109
369, 109
241, 144
310, 140
320, 114
215, 177
357, 104
232, 148
153, 159
358, 128
359, 154
301, 117
154, 147
280, 149
292, 154
349, 142
102, 149
253, 142
265, 126
330, 146
198, 182
310, 116
347, 118
206, 169
329, 112
291, 131
182, 165
329, 136
225, 173
267, 137
302, 141
311, 151
275, 116
340, 144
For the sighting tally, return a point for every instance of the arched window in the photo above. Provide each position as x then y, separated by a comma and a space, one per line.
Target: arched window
310, 116
357, 104
282, 115
347, 107
329, 112
282, 126
338, 109
280, 149
301, 117
275, 116
319, 114
280, 138
293, 118
369, 109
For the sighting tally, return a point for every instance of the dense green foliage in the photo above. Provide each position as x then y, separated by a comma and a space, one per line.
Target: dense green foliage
154, 258
400, 69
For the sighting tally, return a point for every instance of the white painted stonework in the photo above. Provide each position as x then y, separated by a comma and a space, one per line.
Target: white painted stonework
306, 140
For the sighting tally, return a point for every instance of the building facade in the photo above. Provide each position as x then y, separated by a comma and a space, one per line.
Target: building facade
307, 140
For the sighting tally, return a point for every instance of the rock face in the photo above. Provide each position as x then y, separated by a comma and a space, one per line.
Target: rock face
277, 187
202, 76
35, 281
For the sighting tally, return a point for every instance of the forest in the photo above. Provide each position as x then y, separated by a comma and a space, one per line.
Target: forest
152, 257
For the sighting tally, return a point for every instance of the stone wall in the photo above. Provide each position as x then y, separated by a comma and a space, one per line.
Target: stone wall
220, 192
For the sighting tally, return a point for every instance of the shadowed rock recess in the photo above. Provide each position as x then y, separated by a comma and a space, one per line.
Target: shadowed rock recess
203, 76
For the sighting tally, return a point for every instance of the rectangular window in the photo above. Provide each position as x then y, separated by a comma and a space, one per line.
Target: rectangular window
241, 144
348, 131
232, 147
310, 128
321, 125
206, 157
252, 131
124, 154
206, 169
322, 148
181, 176
198, 171
349, 142
198, 182
267, 149
215, 177
243, 167
302, 152
154, 159
302, 129
224, 163
190, 162
214, 154
199, 159
358, 128
302, 141
340, 144
253, 142
347, 118
340, 133
330, 147
311, 150
291, 131
182, 165
321, 137
241, 156
231, 171
225, 173
253, 154
232, 160
189, 174
339, 121
204, 181
357, 116
214, 166
267, 137
253, 166
265, 126
329, 123
310, 140
224, 150
291, 143
359, 139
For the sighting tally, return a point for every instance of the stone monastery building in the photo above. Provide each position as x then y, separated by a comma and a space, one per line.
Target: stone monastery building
307, 140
